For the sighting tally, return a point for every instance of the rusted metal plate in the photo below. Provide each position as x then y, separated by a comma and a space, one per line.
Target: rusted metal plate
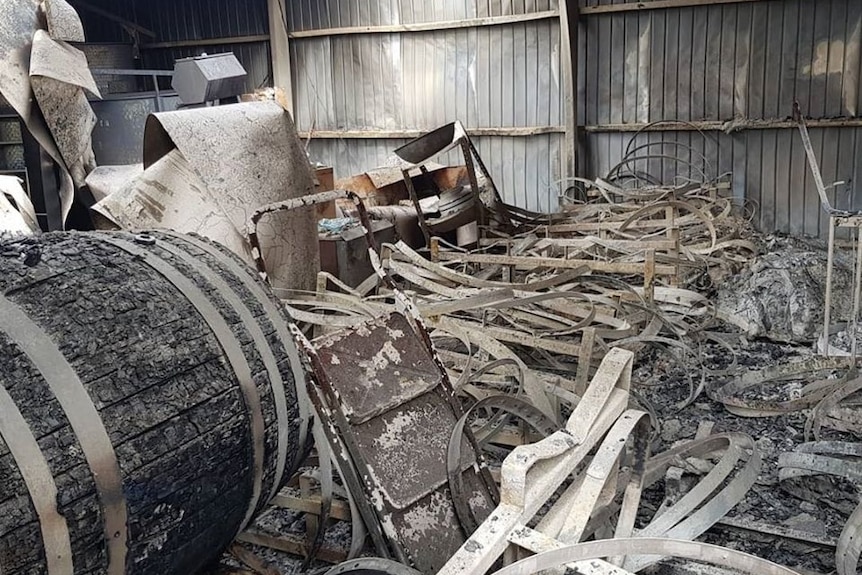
376, 368
426, 529
403, 448
394, 413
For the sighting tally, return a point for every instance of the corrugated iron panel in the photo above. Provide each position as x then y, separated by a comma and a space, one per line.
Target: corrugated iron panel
175, 20
320, 14
526, 170
497, 76
720, 62
769, 170
724, 63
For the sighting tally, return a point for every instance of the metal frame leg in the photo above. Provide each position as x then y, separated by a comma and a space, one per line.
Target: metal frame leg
827, 312
857, 292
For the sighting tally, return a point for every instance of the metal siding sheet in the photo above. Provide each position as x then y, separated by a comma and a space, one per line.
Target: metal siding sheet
759, 146
699, 64
784, 181
836, 53
786, 18
685, 49
743, 60
671, 67
727, 63
763, 37
847, 161
630, 64
712, 89
852, 61
766, 160
657, 65
733, 61
817, 65
616, 70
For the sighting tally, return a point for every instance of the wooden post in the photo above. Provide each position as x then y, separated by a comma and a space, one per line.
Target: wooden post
582, 377
306, 491
569, 11
675, 253
434, 248
649, 276
280, 50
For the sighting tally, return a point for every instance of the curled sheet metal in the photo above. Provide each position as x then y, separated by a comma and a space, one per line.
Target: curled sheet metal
63, 21
171, 195
19, 20
247, 156
105, 180
17, 215
59, 74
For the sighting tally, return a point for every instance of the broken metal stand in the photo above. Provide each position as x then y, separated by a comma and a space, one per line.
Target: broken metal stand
417, 153
385, 412
837, 219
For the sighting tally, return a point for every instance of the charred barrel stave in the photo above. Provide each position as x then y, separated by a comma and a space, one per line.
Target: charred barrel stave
172, 405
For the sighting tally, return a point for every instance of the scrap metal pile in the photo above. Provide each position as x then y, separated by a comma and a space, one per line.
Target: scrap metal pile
536, 330
631, 268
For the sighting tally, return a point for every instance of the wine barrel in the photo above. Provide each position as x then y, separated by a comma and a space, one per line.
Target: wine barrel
148, 403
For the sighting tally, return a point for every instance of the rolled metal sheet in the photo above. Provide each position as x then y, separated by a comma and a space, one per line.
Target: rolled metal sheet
247, 156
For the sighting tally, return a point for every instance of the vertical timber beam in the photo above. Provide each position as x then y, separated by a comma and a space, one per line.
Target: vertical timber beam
280, 49
569, 12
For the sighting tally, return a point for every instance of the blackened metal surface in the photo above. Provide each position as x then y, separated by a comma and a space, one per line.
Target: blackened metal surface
375, 368
404, 447
390, 412
118, 138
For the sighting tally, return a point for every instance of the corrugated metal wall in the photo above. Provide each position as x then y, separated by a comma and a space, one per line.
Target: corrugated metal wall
738, 62
494, 76
197, 21
746, 61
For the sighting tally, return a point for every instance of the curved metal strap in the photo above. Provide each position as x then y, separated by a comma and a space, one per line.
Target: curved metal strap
40, 484
85, 422
695, 550
229, 344
290, 348
260, 343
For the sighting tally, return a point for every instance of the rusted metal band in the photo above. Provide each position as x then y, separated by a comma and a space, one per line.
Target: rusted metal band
40, 485
229, 344
276, 317
262, 345
85, 421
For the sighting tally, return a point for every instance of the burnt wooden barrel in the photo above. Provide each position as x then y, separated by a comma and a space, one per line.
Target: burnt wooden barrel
148, 403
